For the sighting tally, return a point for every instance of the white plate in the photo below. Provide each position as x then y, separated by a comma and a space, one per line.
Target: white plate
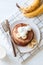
36, 32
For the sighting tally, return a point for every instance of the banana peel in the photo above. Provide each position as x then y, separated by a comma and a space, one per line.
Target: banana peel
34, 13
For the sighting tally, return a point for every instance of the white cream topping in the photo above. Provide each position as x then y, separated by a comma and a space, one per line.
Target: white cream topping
22, 31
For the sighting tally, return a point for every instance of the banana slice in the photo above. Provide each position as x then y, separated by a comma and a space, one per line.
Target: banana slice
37, 12
30, 8
18, 35
24, 37
32, 43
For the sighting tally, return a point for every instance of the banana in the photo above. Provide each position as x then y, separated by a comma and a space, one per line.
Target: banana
37, 12
30, 8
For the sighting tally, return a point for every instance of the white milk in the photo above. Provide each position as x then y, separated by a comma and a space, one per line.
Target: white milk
2, 52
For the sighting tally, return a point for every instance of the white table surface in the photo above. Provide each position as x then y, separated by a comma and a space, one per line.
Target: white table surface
7, 8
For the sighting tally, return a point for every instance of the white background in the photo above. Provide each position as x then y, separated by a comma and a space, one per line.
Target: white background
7, 8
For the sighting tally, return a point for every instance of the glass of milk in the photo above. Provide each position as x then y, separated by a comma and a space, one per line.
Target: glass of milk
2, 53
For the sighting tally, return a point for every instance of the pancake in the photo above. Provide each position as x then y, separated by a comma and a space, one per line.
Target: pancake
20, 41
